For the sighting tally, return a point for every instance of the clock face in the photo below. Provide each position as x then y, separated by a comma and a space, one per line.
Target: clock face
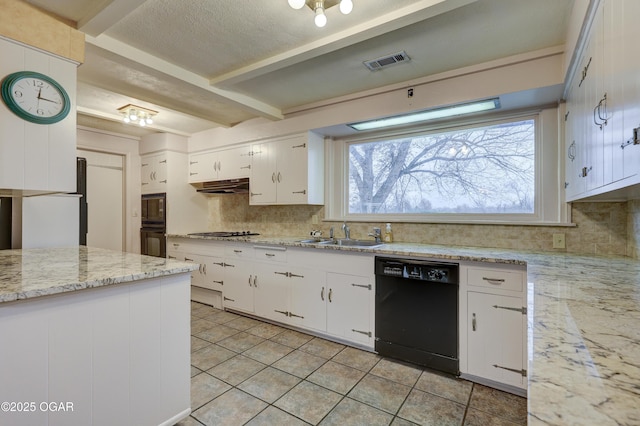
35, 97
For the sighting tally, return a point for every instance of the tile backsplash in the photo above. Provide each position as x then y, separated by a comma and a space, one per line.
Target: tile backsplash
601, 228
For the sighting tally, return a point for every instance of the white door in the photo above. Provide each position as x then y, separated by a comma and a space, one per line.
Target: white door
105, 195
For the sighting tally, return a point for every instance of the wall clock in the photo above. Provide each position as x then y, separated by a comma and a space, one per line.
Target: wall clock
35, 97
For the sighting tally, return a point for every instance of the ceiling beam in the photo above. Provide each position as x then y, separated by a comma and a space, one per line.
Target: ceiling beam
138, 56
396, 19
106, 14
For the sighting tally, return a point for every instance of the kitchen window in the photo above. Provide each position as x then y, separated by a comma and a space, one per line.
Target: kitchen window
502, 170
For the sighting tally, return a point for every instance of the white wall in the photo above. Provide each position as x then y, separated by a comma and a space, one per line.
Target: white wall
127, 146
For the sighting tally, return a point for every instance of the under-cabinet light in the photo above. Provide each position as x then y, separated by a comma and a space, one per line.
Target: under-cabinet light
431, 114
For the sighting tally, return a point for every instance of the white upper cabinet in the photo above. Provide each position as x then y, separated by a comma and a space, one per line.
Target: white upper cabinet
288, 171
233, 163
602, 106
153, 170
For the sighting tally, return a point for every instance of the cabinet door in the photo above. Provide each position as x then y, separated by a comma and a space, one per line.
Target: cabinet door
349, 306
212, 272
495, 338
292, 175
309, 299
147, 167
631, 84
234, 163
238, 284
197, 276
271, 288
262, 185
202, 167
160, 173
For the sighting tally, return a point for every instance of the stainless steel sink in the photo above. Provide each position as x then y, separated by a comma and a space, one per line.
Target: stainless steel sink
352, 243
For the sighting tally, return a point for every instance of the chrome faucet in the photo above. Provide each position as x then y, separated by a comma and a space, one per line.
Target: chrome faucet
347, 231
331, 232
377, 234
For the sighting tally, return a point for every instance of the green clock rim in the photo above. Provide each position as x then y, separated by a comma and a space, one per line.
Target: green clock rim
11, 79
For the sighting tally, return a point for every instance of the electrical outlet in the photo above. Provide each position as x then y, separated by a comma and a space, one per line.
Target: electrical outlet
558, 241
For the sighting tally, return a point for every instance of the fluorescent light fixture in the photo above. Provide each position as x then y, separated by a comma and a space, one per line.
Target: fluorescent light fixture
431, 114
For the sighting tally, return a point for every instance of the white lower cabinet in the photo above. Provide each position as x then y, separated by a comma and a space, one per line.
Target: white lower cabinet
493, 325
349, 307
496, 342
240, 282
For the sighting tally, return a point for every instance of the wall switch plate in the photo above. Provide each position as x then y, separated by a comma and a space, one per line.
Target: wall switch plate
558, 241
314, 219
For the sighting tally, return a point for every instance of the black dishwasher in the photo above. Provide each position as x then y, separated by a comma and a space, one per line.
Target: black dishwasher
417, 312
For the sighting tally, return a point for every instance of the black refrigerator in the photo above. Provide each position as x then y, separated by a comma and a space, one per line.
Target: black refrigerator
81, 178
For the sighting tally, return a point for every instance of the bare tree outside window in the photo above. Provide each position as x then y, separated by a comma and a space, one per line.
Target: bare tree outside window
483, 170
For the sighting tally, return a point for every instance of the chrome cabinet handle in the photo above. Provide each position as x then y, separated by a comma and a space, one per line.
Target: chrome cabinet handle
250, 276
273, 177
279, 177
255, 281
366, 333
226, 298
322, 294
218, 282
188, 260
246, 167
494, 280
291, 314
237, 251
269, 254
304, 191
285, 313
330, 292
473, 322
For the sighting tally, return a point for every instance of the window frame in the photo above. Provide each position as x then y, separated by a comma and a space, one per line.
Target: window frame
549, 205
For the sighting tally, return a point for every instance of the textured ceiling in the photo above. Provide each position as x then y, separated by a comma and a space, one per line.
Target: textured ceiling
208, 63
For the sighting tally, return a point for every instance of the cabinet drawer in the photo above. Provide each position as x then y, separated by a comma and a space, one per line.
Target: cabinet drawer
496, 278
276, 254
238, 252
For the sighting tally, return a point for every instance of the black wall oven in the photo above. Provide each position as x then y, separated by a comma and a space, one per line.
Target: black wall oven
417, 312
153, 239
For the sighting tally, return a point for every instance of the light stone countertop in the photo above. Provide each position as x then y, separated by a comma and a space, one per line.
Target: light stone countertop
584, 329
32, 273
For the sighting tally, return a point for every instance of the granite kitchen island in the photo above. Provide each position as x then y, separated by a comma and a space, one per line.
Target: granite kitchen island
92, 337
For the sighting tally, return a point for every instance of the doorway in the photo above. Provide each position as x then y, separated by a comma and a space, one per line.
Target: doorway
105, 199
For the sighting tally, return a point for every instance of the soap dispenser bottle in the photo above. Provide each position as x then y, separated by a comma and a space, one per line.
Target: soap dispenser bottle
388, 234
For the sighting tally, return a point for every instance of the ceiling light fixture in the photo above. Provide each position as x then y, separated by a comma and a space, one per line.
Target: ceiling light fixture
319, 7
137, 115
430, 114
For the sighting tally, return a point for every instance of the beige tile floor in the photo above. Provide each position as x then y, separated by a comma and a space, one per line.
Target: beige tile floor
247, 372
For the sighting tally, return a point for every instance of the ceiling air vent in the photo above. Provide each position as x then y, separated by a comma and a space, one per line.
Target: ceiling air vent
385, 61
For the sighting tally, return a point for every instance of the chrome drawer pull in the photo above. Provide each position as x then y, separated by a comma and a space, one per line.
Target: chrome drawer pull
368, 286
494, 280
226, 298
366, 333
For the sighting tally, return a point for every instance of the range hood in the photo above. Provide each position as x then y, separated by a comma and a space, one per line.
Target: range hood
229, 186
